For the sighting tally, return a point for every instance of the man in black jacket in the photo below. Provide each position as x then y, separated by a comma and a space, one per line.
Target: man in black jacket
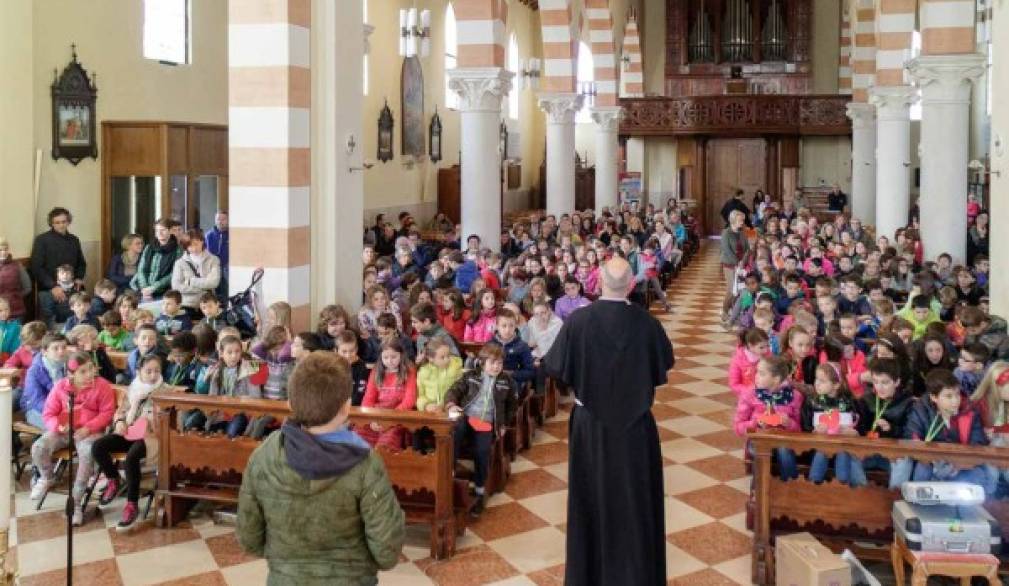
736, 203
50, 250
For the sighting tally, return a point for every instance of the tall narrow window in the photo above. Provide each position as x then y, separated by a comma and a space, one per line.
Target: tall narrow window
586, 75
915, 52
451, 50
513, 66
364, 62
166, 31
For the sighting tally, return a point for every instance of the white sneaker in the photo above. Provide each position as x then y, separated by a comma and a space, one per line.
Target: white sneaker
42, 485
78, 518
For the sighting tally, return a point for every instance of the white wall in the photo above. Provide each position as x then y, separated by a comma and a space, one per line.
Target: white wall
1000, 162
826, 160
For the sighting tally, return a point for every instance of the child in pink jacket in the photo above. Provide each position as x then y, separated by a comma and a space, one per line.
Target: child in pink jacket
753, 345
772, 404
94, 406
483, 323
850, 361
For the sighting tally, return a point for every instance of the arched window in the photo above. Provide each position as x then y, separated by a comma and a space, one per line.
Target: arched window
915, 52
513, 66
586, 75
451, 50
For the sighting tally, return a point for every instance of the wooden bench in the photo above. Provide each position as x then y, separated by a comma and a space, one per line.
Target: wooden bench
197, 466
839, 515
119, 358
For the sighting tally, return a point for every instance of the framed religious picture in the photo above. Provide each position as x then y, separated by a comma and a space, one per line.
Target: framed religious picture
434, 137
385, 129
74, 124
412, 83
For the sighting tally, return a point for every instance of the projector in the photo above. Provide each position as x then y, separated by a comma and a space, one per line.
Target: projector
942, 493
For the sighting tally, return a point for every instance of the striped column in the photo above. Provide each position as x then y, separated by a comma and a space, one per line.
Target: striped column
606, 113
864, 56
560, 102
844, 59
633, 79
269, 101
482, 83
894, 28
945, 71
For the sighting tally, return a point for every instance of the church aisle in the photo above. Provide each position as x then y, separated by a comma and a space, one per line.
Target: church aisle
520, 538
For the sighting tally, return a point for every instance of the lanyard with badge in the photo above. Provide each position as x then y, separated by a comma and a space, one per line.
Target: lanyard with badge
879, 410
935, 427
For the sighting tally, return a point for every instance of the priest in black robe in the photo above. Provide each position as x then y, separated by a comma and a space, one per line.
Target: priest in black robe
613, 354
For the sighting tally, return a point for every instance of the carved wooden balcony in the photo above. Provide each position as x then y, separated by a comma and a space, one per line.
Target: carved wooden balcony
736, 115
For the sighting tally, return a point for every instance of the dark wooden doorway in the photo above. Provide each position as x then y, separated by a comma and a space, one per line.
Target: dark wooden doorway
732, 163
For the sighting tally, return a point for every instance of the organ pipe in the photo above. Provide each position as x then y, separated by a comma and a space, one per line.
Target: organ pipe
737, 32
701, 47
774, 41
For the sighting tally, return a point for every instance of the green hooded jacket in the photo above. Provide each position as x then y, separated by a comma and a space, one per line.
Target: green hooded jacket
331, 519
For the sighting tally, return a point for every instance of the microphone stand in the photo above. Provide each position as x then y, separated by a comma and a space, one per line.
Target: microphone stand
70, 493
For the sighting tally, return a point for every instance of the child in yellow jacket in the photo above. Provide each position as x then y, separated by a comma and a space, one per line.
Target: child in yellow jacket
437, 375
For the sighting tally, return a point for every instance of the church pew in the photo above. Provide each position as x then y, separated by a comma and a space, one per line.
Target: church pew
11, 376
198, 466
518, 433
118, 358
839, 515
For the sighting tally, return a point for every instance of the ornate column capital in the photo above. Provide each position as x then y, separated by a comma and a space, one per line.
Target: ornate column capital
561, 108
861, 114
893, 103
480, 89
947, 78
608, 117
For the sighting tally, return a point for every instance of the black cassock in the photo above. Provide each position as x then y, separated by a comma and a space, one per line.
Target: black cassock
614, 355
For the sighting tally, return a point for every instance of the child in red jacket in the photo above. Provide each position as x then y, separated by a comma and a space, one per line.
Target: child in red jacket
753, 345
772, 404
392, 385
94, 405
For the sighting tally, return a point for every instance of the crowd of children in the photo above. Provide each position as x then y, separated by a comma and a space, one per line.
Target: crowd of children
843, 334
443, 328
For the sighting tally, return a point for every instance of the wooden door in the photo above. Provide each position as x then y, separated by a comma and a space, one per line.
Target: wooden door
732, 164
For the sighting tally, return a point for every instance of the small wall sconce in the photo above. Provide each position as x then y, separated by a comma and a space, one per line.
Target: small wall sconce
529, 74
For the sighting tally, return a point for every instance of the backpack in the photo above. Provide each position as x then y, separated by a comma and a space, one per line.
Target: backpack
241, 308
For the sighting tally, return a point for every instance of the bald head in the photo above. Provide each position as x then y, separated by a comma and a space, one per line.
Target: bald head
617, 278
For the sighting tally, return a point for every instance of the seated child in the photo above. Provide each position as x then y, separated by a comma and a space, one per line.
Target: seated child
990, 400
84, 338
10, 331
48, 366
346, 348
133, 432
970, 367
483, 318
763, 320
841, 351
145, 340
315, 488
883, 413
183, 369
518, 358
484, 400
648, 273
919, 314
234, 375
275, 351
213, 316
31, 335
104, 298
453, 315
54, 311
113, 335
852, 301
424, 319
80, 306
990, 330
206, 344
304, 344
753, 345
436, 375
385, 329
94, 405
797, 347
830, 395
173, 318
771, 404
746, 299
573, 299
763, 301
333, 319
944, 416
392, 385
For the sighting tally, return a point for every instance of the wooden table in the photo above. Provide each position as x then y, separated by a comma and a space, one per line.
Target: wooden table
925, 564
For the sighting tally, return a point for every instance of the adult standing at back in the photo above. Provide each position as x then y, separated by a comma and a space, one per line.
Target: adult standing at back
53, 249
195, 273
217, 243
154, 271
613, 354
736, 203
733, 248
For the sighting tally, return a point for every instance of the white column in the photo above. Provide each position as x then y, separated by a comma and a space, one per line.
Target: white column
561, 110
607, 121
481, 90
893, 156
999, 235
338, 44
863, 161
945, 82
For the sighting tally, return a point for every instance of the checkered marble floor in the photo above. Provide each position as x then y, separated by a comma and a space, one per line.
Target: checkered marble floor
520, 537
